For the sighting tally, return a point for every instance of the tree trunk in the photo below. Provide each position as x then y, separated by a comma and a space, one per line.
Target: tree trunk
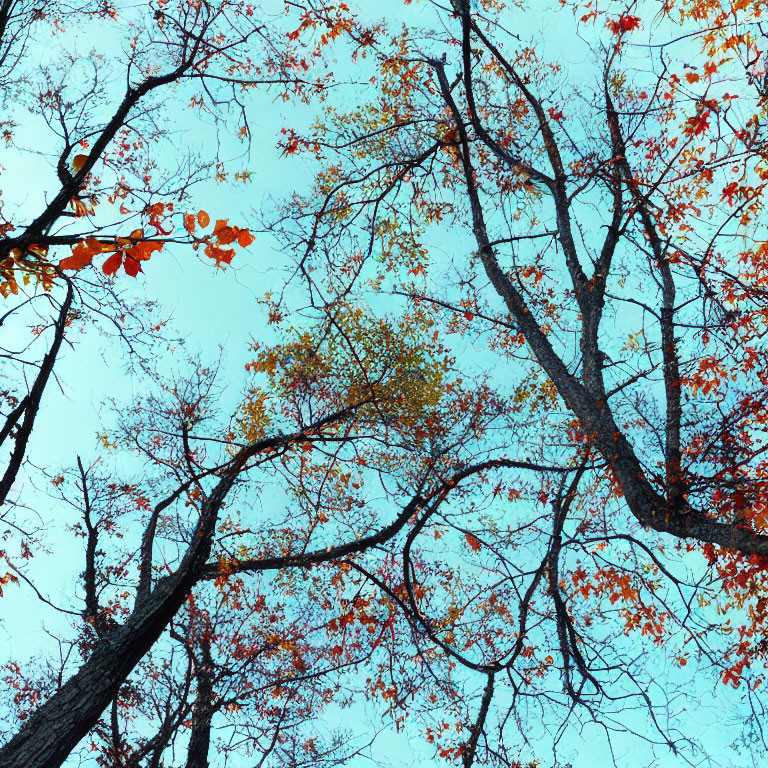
55, 729
200, 737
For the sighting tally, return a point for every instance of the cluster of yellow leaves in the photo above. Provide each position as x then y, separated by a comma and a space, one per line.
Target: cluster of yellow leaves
28, 263
255, 416
385, 370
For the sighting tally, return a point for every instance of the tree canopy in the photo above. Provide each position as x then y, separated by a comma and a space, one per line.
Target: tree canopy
424, 348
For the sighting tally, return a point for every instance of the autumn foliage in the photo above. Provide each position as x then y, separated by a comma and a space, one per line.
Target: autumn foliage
492, 476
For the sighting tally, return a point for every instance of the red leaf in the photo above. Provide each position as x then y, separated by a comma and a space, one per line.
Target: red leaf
694, 126
132, 266
473, 542
555, 114
625, 23
729, 192
112, 264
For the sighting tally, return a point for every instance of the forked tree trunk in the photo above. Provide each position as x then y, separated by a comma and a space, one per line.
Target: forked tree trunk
55, 729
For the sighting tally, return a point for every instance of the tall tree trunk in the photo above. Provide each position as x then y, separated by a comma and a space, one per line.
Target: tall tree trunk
200, 737
55, 729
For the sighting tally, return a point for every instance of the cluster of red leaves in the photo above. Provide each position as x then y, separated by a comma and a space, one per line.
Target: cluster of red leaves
620, 586
126, 251
28, 692
743, 582
698, 124
130, 251
293, 143
334, 20
625, 23
223, 234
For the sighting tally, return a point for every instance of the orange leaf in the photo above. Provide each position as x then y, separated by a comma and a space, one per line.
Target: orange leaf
83, 253
96, 246
245, 238
226, 235
112, 264
189, 223
38, 250
203, 219
473, 542
142, 251
78, 260
134, 237
80, 208
156, 212
220, 254
78, 161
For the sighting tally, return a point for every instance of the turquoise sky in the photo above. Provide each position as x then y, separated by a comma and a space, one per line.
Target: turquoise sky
212, 309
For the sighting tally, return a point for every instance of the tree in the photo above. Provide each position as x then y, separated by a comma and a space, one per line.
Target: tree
513, 396
634, 191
